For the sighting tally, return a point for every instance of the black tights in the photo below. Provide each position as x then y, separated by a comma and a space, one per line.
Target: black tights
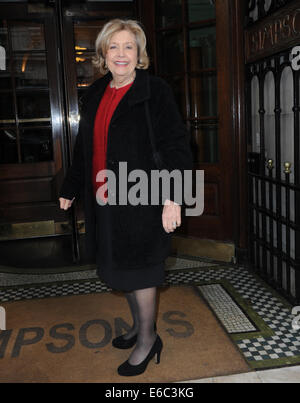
142, 305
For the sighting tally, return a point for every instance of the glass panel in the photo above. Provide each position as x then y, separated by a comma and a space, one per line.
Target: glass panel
204, 95
206, 139
171, 53
177, 84
30, 70
7, 115
255, 115
269, 116
3, 51
8, 147
268, 4
169, 12
27, 36
287, 120
85, 34
203, 48
5, 80
201, 10
36, 145
34, 106
3, 34
86, 72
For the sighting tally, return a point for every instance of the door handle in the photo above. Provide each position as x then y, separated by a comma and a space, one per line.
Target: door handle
74, 119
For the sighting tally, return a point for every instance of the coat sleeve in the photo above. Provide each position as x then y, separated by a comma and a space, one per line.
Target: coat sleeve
74, 179
173, 141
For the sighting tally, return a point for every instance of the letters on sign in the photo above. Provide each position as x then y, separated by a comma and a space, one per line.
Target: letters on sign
275, 33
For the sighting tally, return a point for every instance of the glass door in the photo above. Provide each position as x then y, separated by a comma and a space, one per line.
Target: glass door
31, 137
192, 54
80, 25
186, 38
45, 50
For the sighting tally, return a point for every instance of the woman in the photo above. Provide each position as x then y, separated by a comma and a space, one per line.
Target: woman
131, 242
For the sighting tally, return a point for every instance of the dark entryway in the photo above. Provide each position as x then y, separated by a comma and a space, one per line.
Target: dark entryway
49, 46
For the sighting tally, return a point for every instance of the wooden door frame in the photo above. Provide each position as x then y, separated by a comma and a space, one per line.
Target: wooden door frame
50, 169
230, 68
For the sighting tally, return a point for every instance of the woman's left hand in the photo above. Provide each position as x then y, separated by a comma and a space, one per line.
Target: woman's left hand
171, 216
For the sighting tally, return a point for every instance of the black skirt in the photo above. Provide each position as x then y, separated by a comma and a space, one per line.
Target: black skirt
115, 277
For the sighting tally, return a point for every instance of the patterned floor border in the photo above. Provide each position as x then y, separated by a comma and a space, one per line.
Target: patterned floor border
273, 344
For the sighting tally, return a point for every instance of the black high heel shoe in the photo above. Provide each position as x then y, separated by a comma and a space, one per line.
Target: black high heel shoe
127, 369
120, 342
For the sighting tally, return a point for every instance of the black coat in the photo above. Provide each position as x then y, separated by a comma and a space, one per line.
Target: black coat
138, 235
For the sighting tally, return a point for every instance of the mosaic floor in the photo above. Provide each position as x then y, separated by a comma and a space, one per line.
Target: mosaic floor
257, 319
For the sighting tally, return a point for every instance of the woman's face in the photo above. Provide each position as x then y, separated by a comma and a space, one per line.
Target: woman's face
122, 54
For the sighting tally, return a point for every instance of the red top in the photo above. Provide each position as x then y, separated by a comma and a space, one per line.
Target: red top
106, 109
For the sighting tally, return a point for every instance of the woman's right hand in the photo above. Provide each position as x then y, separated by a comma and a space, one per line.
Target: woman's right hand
65, 204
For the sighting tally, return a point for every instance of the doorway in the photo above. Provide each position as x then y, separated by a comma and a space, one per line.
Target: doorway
48, 47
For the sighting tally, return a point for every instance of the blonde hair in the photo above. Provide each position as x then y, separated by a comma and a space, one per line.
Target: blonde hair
104, 38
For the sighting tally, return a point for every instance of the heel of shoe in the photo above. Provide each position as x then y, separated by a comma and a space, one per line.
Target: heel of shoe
157, 361
159, 350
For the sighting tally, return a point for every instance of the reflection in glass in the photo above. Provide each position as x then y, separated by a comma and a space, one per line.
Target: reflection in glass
3, 34
206, 142
8, 147
203, 48
169, 12
255, 120
4, 65
177, 84
171, 56
85, 34
204, 95
36, 145
5, 77
6, 108
86, 72
200, 10
269, 116
287, 120
30, 70
27, 36
34, 106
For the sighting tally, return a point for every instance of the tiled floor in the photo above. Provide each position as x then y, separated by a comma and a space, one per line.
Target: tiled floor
226, 309
258, 320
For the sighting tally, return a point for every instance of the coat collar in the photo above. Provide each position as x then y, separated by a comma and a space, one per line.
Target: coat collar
139, 92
